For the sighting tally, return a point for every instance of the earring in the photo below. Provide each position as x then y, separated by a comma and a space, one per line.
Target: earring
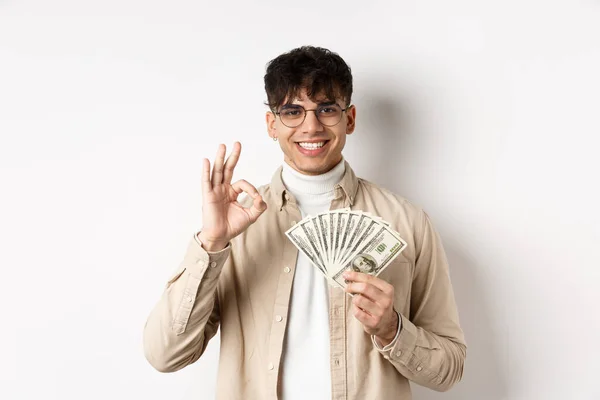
274, 139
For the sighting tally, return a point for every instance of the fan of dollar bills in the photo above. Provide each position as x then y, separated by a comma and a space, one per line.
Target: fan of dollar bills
340, 240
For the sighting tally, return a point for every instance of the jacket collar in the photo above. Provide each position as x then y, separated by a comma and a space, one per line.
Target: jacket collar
348, 187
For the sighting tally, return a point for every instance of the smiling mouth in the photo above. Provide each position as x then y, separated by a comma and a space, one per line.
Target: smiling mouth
312, 145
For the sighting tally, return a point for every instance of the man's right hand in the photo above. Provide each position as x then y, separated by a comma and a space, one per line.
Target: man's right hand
223, 218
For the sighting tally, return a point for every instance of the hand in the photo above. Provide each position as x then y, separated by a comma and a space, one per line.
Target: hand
223, 217
373, 305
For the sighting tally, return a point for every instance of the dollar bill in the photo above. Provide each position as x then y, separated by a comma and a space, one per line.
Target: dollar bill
351, 221
361, 225
339, 226
373, 255
330, 217
323, 224
319, 238
313, 239
340, 240
298, 236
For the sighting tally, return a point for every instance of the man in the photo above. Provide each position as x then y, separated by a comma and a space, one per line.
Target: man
284, 332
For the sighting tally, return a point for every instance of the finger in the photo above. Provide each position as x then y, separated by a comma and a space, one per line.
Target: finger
354, 276
217, 175
258, 204
258, 207
367, 305
206, 185
244, 186
232, 162
384, 300
364, 318
365, 289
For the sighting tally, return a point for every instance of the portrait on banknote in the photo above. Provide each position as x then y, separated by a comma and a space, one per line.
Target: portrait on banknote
364, 263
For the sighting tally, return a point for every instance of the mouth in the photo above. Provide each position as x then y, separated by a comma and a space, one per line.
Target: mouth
312, 148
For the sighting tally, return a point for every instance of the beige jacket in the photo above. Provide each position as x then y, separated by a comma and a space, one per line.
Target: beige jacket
245, 290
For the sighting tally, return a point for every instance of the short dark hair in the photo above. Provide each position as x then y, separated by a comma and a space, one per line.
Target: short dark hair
318, 70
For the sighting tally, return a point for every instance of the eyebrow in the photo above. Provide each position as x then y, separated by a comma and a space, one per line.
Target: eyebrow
321, 104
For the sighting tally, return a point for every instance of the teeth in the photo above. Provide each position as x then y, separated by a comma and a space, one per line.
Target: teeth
311, 146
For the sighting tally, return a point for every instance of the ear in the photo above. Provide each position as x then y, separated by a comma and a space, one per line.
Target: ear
350, 120
271, 129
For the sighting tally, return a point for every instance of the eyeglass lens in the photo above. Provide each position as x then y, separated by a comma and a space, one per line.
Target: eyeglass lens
293, 116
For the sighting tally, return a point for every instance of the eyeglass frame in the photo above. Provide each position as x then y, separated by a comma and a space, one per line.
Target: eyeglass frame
278, 113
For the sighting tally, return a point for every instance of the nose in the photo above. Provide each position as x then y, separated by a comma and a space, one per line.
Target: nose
311, 123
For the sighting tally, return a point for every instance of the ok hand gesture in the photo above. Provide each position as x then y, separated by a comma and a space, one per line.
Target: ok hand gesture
223, 217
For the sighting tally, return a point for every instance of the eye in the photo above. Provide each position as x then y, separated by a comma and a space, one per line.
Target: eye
327, 110
291, 112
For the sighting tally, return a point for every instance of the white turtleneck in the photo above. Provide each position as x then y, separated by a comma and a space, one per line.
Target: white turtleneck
306, 371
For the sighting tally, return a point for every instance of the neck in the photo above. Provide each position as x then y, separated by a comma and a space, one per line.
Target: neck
309, 188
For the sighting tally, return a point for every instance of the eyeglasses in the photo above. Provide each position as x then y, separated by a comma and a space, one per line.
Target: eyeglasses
293, 115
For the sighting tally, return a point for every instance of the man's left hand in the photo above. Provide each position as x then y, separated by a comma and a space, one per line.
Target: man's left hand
373, 305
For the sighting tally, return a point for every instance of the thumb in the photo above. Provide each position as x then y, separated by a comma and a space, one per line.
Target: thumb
258, 207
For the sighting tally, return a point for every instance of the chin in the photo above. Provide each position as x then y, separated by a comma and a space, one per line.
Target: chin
313, 168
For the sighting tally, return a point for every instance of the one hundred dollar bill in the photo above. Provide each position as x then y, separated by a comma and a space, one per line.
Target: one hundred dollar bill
298, 236
340, 240
372, 255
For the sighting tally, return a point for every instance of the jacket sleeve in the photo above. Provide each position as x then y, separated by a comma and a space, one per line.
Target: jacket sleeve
187, 315
430, 348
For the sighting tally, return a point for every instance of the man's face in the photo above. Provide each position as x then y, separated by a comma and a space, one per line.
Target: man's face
312, 161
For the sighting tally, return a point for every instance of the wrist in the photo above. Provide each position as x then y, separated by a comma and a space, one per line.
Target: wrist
388, 337
211, 245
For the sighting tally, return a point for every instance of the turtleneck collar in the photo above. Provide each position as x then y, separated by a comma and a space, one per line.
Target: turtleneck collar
300, 184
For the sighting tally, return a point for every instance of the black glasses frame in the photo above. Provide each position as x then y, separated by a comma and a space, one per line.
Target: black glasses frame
278, 113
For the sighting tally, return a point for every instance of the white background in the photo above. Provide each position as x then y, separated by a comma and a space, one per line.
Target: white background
484, 113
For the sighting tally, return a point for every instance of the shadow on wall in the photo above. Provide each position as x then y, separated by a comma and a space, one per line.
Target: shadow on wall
377, 146
401, 145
